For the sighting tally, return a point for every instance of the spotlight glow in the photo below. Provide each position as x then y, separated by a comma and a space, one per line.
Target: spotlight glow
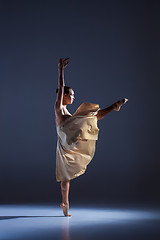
48, 222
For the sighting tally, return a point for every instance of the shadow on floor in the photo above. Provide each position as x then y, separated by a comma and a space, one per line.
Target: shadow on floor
12, 217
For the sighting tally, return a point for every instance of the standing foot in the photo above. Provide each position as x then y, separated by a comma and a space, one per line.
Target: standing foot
65, 208
119, 104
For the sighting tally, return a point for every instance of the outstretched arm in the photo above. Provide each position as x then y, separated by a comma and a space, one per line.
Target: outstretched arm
116, 106
61, 65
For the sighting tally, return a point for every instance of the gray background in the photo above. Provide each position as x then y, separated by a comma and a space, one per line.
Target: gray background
114, 53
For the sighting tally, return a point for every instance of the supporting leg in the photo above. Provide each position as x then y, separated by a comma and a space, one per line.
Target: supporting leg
65, 192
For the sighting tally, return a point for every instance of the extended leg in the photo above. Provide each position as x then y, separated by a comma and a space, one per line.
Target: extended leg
116, 106
65, 192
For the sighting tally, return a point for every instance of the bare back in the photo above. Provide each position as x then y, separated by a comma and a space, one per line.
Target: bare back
61, 114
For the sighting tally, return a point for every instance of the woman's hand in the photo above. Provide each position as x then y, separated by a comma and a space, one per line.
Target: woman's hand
63, 62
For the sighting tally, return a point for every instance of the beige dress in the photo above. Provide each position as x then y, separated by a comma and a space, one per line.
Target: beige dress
77, 136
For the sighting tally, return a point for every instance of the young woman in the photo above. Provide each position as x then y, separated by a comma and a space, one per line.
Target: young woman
76, 134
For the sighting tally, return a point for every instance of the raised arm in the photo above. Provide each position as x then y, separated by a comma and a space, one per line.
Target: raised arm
116, 106
61, 65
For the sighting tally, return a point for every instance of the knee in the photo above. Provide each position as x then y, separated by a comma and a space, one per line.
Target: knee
64, 184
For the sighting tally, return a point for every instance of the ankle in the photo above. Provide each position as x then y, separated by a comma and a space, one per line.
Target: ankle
65, 203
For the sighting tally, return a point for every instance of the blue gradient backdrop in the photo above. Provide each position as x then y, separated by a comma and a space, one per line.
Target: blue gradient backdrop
114, 53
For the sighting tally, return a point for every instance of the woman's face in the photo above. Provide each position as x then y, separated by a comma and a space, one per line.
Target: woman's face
69, 97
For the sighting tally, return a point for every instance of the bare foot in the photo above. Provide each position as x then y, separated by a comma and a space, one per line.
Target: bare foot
119, 104
65, 208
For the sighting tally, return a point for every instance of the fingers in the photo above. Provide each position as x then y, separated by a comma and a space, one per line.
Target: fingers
63, 62
66, 59
63, 59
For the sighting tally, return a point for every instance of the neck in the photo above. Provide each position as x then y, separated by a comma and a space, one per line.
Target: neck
64, 105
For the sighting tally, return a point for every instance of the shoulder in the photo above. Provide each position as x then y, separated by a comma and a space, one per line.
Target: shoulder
58, 110
57, 106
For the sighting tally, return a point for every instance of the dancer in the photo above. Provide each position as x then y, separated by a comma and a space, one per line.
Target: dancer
76, 134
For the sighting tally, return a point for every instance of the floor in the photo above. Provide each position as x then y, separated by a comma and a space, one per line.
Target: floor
30, 222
